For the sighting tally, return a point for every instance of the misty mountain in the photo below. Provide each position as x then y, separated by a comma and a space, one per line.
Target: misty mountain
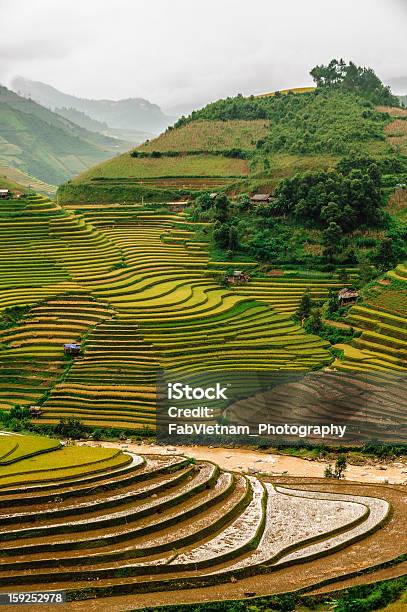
129, 114
82, 119
45, 144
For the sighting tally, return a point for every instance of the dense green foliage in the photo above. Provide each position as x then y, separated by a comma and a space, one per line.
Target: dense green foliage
70, 427
347, 197
325, 121
312, 220
349, 77
234, 153
12, 315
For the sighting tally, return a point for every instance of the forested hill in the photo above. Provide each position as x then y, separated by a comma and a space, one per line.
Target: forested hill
248, 144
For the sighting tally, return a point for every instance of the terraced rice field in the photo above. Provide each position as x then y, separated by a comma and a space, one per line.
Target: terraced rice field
138, 292
382, 320
119, 523
393, 111
370, 404
24, 179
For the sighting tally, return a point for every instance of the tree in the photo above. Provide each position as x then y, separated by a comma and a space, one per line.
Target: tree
221, 207
70, 427
331, 213
221, 235
385, 257
314, 323
305, 306
243, 202
366, 271
338, 471
349, 77
204, 201
331, 238
340, 466
333, 303
233, 238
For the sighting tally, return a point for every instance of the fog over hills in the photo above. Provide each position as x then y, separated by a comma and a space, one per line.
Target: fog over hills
44, 144
131, 114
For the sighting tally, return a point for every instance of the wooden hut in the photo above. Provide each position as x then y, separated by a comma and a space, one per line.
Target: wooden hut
347, 296
260, 198
72, 349
238, 276
35, 411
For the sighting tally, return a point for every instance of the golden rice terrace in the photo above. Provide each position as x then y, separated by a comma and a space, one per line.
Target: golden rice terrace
136, 289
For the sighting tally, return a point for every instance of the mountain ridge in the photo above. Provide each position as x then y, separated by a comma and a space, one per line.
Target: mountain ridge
128, 113
45, 144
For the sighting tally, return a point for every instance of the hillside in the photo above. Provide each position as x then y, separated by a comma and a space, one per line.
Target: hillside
266, 133
148, 286
275, 135
226, 527
104, 522
130, 114
46, 145
25, 181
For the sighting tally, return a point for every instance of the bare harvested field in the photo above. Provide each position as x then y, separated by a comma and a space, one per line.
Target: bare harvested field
393, 111
396, 134
154, 529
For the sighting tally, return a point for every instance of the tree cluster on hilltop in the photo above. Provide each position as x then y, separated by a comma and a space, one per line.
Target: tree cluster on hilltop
358, 79
336, 77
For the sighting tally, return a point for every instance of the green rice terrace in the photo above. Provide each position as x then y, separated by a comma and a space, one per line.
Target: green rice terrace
98, 522
136, 287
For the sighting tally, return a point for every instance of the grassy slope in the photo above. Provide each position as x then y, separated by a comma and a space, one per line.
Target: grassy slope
210, 136
133, 167
42, 143
304, 132
14, 179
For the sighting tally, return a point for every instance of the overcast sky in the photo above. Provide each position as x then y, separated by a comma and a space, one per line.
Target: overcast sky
188, 52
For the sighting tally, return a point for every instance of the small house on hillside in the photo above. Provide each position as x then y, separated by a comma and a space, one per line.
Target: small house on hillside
347, 296
177, 206
35, 411
72, 349
237, 277
213, 195
258, 198
5, 194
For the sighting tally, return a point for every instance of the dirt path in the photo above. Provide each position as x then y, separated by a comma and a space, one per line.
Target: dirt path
243, 460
